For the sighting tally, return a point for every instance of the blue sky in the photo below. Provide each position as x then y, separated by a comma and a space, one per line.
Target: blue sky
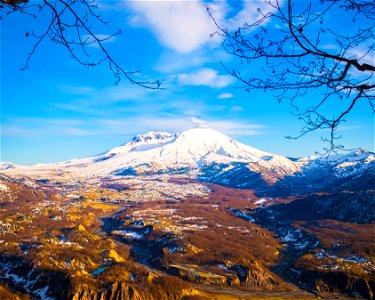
58, 110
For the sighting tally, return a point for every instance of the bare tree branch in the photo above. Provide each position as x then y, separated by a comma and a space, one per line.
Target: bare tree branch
302, 52
71, 25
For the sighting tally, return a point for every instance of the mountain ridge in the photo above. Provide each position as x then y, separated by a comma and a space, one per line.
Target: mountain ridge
209, 155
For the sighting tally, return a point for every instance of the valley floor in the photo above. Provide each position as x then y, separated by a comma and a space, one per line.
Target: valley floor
174, 238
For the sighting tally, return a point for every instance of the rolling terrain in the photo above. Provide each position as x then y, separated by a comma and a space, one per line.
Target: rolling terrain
194, 215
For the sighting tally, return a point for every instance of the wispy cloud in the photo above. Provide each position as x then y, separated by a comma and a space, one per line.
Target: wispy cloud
349, 127
92, 101
236, 108
176, 123
40, 127
205, 77
171, 61
77, 90
251, 12
225, 96
231, 127
31, 127
183, 26
186, 26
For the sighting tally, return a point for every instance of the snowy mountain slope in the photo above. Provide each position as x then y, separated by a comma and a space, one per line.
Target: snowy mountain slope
210, 156
144, 142
6, 165
159, 151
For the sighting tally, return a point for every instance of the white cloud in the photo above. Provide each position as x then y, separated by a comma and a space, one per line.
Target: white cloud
186, 26
172, 61
225, 96
77, 90
183, 26
95, 101
235, 128
206, 77
176, 123
42, 127
236, 108
250, 13
198, 122
30, 127
363, 53
349, 127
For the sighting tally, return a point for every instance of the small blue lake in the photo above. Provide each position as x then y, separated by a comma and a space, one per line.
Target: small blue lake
99, 270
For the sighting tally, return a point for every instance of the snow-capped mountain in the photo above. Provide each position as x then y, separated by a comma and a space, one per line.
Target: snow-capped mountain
189, 147
208, 155
144, 142
6, 165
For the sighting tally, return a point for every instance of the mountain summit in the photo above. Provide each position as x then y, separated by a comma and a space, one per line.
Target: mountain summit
193, 148
144, 141
209, 155
156, 152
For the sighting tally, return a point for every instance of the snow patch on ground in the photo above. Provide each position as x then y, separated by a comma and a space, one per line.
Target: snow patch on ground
42, 293
3, 188
260, 201
128, 234
289, 238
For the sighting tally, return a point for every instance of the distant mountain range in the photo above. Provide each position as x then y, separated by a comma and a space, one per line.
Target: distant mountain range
211, 156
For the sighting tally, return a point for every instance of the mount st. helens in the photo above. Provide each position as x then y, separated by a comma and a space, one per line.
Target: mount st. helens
194, 215
211, 156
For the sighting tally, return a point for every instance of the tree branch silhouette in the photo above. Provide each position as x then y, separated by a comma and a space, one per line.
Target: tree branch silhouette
71, 24
302, 52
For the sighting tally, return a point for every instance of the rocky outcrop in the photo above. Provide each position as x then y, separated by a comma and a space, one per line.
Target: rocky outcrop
118, 290
339, 282
256, 277
127, 291
259, 278
115, 256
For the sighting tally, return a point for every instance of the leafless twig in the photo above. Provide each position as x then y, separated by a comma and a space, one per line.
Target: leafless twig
71, 24
302, 53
